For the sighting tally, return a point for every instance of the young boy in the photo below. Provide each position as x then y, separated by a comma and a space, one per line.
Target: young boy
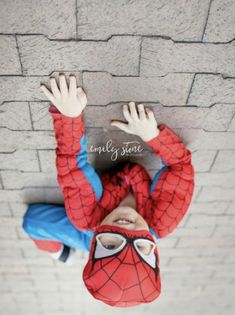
119, 216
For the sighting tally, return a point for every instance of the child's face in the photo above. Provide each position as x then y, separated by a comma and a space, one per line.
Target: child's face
137, 222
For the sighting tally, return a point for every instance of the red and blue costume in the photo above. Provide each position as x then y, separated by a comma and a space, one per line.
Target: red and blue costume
125, 278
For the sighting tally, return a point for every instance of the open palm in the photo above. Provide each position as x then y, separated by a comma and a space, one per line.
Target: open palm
69, 100
141, 123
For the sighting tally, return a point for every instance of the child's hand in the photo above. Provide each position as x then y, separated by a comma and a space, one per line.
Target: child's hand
69, 100
144, 125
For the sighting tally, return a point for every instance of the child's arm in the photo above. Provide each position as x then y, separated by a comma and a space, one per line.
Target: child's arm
78, 180
172, 187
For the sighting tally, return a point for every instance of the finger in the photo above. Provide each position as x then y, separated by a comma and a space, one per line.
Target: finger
48, 94
126, 113
72, 85
141, 111
133, 111
81, 92
82, 96
63, 85
121, 125
150, 113
54, 87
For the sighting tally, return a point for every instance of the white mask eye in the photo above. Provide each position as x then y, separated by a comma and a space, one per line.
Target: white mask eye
145, 248
108, 244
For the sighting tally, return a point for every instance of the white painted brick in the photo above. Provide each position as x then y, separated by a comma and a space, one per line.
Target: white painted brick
7, 232
26, 140
210, 208
221, 22
219, 239
224, 162
10, 63
5, 209
22, 160
48, 18
18, 180
197, 232
209, 89
47, 160
203, 159
15, 116
160, 56
18, 208
227, 180
196, 220
231, 209
176, 19
210, 193
41, 56
168, 90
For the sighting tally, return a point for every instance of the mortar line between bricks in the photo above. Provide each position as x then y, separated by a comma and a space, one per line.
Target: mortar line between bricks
213, 161
112, 130
30, 115
76, 19
140, 55
166, 106
23, 172
10, 208
206, 22
123, 101
39, 162
151, 102
224, 76
119, 35
18, 53
227, 208
229, 124
190, 90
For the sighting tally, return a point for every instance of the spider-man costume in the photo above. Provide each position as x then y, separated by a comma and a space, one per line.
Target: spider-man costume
125, 278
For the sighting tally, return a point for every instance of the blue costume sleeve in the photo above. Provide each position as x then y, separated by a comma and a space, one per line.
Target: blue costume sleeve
45, 221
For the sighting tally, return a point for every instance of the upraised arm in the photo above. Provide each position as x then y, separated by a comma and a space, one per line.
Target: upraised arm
173, 185
80, 184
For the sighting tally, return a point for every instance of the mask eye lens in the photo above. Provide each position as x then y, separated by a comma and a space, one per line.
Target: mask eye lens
109, 241
146, 247
110, 246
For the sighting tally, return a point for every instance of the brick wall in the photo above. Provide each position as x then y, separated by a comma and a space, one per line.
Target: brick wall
177, 57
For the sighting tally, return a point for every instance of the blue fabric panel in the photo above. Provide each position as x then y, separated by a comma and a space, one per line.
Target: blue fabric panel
151, 230
156, 176
50, 222
88, 170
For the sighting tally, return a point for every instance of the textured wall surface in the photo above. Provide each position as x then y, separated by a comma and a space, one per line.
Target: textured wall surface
177, 57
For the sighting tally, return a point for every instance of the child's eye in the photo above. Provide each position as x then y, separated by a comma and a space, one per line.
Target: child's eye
110, 246
144, 249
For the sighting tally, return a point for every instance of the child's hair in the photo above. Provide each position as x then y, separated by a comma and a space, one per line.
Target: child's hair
124, 278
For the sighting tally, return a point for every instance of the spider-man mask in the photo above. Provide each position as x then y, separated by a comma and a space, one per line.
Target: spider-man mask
122, 276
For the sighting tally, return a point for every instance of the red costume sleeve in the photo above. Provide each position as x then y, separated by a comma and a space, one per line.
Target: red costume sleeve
172, 187
80, 184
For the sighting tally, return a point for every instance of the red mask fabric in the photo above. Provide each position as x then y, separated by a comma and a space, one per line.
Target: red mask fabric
125, 277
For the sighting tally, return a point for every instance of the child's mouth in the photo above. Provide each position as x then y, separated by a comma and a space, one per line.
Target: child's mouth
123, 221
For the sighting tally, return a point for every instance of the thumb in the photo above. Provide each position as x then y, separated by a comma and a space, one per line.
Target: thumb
122, 126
